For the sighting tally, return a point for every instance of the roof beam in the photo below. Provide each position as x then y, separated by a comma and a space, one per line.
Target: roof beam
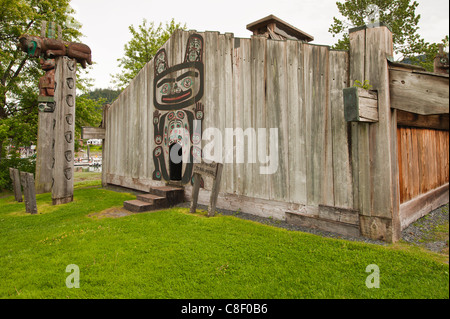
419, 92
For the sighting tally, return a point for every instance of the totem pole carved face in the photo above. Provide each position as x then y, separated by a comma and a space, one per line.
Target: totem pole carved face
177, 91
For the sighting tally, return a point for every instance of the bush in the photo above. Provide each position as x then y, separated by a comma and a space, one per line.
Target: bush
14, 160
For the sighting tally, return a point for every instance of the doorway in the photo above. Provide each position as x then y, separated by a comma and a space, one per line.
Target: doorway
175, 162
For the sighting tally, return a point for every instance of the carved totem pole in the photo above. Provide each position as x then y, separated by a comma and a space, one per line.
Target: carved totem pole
56, 97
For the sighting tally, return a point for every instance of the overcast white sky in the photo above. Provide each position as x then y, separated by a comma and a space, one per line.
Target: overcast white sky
105, 22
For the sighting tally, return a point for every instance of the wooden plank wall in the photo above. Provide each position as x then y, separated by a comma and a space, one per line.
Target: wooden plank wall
252, 83
423, 156
129, 133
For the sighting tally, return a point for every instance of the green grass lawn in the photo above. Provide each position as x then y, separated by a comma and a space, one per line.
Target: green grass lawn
174, 254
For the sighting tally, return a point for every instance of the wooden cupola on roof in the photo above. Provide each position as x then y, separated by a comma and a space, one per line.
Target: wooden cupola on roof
275, 28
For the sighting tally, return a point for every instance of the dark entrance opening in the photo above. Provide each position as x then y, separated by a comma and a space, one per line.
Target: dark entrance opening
175, 161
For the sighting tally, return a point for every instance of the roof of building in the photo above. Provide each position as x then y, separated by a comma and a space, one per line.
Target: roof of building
283, 30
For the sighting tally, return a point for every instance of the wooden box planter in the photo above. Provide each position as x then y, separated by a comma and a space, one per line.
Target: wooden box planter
360, 105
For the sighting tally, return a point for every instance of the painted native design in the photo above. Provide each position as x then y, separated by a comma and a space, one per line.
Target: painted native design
179, 114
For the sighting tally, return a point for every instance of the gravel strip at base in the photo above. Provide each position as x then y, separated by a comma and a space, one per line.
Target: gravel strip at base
418, 232
413, 234
285, 225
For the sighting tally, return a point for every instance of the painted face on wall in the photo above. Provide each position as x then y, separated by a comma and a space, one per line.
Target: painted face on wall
178, 86
181, 85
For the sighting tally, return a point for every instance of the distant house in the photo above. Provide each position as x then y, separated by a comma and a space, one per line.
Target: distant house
94, 142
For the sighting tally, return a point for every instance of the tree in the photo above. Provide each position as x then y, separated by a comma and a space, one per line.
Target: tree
399, 15
108, 94
146, 41
425, 53
88, 112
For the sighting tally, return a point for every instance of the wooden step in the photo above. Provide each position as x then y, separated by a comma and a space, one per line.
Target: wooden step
174, 195
158, 197
138, 206
156, 200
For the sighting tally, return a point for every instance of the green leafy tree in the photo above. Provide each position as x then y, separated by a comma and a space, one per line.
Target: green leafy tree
88, 112
108, 94
146, 41
425, 53
399, 15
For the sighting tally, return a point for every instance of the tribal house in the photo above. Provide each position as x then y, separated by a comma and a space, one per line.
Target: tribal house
345, 159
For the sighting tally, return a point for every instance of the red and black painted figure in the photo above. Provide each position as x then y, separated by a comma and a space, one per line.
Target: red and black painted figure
178, 90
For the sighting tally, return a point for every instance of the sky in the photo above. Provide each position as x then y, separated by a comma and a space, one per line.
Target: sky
105, 22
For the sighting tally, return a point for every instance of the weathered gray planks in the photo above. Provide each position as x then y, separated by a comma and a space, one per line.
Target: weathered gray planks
277, 117
92, 132
105, 163
251, 84
375, 149
44, 152
385, 201
296, 122
419, 92
245, 119
64, 133
15, 178
319, 177
360, 105
342, 166
258, 45
29, 191
326, 224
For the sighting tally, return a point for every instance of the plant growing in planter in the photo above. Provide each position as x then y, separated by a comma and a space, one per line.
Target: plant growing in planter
360, 103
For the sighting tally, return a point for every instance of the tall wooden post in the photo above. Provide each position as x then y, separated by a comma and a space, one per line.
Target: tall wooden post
27, 181
104, 151
44, 151
195, 190
374, 145
213, 170
215, 190
64, 133
15, 178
